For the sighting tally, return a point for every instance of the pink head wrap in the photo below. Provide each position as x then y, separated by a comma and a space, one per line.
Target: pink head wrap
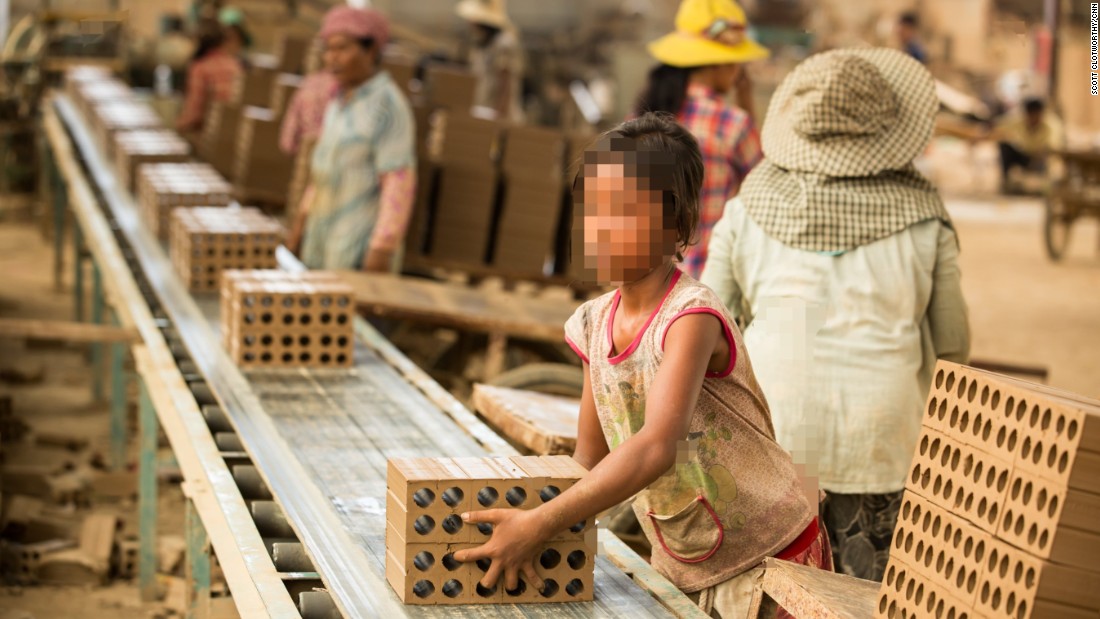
357, 24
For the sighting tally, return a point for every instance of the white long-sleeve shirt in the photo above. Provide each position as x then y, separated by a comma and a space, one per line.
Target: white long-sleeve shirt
844, 345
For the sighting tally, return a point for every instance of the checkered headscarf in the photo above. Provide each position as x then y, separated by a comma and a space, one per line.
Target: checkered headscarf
816, 212
839, 141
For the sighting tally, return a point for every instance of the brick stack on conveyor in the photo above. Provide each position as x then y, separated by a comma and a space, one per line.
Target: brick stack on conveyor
424, 528
1001, 511
110, 118
135, 148
162, 187
276, 319
87, 93
208, 240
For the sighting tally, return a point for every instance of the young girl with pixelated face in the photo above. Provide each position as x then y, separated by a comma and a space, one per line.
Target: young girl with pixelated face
671, 415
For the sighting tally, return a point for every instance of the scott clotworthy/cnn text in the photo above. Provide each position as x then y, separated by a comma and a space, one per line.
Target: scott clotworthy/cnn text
1094, 30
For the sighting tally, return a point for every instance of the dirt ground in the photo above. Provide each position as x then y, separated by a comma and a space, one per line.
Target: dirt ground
62, 401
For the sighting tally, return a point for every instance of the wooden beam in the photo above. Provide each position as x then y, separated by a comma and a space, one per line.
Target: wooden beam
64, 331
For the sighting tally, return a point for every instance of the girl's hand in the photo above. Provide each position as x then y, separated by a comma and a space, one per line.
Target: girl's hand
513, 547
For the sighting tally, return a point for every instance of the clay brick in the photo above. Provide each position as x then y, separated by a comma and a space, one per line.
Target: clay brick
1014, 582
960, 478
425, 500
904, 595
206, 241
278, 319
144, 146
162, 187
943, 549
421, 568
124, 115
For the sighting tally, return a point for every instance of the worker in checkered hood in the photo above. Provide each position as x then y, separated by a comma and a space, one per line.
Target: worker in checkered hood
842, 261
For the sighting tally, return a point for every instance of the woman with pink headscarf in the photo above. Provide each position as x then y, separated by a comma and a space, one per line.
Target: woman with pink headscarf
363, 171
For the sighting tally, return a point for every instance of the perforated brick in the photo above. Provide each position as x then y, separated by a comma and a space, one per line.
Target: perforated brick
960, 479
1050, 522
110, 118
419, 558
206, 241
139, 147
905, 595
276, 319
163, 187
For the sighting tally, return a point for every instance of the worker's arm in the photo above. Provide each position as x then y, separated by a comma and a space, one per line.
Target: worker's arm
398, 196
630, 468
947, 312
194, 102
298, 225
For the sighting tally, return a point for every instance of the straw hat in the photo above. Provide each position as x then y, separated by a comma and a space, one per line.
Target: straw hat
488, 12
851, 112
708, 32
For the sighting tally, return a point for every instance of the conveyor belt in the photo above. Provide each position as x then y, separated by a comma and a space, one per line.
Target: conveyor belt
319, 439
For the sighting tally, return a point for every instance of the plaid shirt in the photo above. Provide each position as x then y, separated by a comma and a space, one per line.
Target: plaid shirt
731, 147
211, 78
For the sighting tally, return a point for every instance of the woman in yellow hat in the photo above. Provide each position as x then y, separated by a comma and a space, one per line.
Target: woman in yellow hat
700, 63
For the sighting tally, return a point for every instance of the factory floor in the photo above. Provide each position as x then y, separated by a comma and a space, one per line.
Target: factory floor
1024, 310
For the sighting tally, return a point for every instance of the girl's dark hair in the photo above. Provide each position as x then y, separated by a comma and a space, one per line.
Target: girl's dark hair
655, 147
665, 91
210, 38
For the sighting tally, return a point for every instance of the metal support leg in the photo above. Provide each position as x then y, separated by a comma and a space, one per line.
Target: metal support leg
78, 273
198, 566
147, 500
59, 199
118, 407
97, 347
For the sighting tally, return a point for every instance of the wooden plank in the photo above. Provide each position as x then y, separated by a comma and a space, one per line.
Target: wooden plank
813, 593
461, 307
545, 424
64, 331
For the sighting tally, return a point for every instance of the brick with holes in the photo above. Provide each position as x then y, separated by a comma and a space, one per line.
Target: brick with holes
206, 241
275, 319
417, 563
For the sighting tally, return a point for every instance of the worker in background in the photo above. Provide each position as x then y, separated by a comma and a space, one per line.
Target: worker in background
305, 112
232, 21
363, 170
173, 48
1026, 138
843, 262
211, 76
496, 59
908, 24
700, 64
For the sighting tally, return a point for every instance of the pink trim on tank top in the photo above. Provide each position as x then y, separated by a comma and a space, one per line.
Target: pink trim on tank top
725, 330
619, 358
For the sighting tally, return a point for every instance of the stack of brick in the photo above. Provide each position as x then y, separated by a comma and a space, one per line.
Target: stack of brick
286, 84
162, 187
1000, 512
262, 171
111, 118
218, 142
88, 92
79, 77
208, 240
534, 178
135, 148
467, 191
292, 51
424, 528
276, 319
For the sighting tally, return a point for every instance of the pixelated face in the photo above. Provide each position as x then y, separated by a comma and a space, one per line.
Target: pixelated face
623, 225
349, 61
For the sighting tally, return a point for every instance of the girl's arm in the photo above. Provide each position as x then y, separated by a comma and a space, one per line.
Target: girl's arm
947, 313
630, 468
591, 445
194, 103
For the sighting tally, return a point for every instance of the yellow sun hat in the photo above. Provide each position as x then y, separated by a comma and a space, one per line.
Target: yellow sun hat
708, 32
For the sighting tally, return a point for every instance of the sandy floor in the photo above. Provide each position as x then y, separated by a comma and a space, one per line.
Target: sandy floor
63, 402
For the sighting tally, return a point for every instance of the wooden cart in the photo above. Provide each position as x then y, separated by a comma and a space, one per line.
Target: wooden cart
1075, 195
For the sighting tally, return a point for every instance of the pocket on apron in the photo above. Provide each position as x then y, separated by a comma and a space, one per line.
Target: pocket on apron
691, 535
